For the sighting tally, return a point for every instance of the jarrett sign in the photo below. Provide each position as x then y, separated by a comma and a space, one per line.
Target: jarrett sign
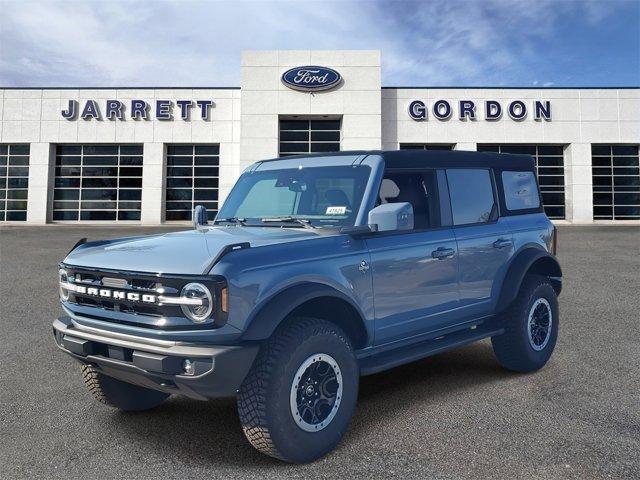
491, 110
137, 109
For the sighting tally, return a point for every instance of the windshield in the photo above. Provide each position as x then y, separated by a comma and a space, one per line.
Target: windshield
323, 196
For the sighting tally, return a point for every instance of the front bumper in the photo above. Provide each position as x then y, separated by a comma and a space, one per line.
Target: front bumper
157, 364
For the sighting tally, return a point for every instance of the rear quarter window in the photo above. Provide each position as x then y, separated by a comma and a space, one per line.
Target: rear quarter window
520, 190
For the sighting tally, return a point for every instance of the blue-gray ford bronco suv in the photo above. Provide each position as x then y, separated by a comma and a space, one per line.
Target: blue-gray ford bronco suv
318, 269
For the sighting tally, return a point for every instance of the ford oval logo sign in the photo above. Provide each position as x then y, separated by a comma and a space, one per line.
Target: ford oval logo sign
311, 78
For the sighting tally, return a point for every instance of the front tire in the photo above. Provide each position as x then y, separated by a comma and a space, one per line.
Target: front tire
531, 324
300, 394
118, 394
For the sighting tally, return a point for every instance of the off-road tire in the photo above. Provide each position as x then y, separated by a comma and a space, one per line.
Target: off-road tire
264, 396
119, 394
513, 348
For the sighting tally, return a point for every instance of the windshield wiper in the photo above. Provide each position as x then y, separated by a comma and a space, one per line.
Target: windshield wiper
231, 220
288, 219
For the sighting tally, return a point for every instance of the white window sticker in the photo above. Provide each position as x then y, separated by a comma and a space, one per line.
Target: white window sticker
336, 210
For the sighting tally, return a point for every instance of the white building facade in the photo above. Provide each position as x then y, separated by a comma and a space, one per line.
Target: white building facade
148, 156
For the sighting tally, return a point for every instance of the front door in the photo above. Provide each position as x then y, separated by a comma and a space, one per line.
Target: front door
415, 273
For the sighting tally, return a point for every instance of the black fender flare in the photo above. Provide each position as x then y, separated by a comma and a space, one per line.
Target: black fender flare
532, 260
264, 322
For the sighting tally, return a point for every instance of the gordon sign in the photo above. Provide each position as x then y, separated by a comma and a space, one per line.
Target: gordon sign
311, 78
136, 109
492, 110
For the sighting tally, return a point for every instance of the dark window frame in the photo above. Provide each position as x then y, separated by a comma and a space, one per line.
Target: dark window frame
189, 153
599, 187
310, 130
77, 209
17, 151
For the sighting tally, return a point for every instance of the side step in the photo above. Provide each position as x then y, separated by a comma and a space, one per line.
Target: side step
410, 353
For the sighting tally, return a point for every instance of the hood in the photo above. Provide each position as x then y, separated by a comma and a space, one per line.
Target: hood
187, 252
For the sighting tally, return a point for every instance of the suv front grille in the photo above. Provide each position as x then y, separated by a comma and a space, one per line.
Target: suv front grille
134, 293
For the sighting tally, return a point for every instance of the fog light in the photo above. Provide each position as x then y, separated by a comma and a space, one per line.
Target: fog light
188, 367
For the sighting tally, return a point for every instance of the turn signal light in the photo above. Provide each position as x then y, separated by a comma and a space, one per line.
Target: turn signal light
224, 300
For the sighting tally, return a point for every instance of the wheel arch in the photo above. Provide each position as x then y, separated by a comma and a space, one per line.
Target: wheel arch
309, 300
528, 261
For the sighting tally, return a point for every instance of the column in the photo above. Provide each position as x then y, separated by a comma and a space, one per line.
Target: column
41, 182
466, 146
578, 183
153, 183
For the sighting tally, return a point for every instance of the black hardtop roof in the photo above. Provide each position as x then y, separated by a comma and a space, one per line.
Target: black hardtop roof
435, 158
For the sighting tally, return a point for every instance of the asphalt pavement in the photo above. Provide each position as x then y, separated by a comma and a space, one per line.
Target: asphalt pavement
455, 415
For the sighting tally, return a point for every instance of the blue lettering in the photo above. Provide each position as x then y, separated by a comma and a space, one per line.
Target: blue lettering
139, 109
204, 107
442, 110
493, 110
90, 110
517, 110
114, 110
184, 105
467, 109
163, 110
542, 110
72, 111
418, 110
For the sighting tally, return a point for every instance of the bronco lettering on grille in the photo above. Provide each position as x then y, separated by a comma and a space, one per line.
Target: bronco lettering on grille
116, 294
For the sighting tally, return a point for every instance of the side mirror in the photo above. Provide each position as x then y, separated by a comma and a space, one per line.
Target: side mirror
199, 217
392, 216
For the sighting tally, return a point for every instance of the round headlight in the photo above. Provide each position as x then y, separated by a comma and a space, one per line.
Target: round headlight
64, 293
197, 313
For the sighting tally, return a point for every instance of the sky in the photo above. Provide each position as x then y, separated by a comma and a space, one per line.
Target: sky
517, 43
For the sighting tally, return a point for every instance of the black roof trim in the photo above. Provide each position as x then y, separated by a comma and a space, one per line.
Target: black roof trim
455, 158
119, 88
409, 87
433, 158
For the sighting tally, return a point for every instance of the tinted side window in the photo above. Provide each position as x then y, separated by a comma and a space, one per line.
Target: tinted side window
471, 192
520, 190
419, 189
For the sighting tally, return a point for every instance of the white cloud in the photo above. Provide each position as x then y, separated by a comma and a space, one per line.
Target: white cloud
175, 43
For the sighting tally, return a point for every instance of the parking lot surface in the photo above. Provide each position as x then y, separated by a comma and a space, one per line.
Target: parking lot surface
455, 415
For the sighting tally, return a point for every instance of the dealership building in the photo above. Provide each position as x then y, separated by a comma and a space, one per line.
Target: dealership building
149, 155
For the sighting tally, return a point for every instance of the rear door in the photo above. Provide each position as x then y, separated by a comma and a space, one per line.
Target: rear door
485, 242
414, 272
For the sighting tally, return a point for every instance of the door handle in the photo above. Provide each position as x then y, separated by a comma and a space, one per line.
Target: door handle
442, 252
502, 243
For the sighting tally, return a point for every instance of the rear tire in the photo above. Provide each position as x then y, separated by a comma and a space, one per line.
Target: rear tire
531, 324
300, 394
119, 394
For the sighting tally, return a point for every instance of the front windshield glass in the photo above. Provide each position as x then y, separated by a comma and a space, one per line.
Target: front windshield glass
323, 196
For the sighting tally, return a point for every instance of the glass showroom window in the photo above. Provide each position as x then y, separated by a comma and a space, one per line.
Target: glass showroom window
309, 136
549, 168
14, 182
425, 146
192, 179
616, 182
97, 182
